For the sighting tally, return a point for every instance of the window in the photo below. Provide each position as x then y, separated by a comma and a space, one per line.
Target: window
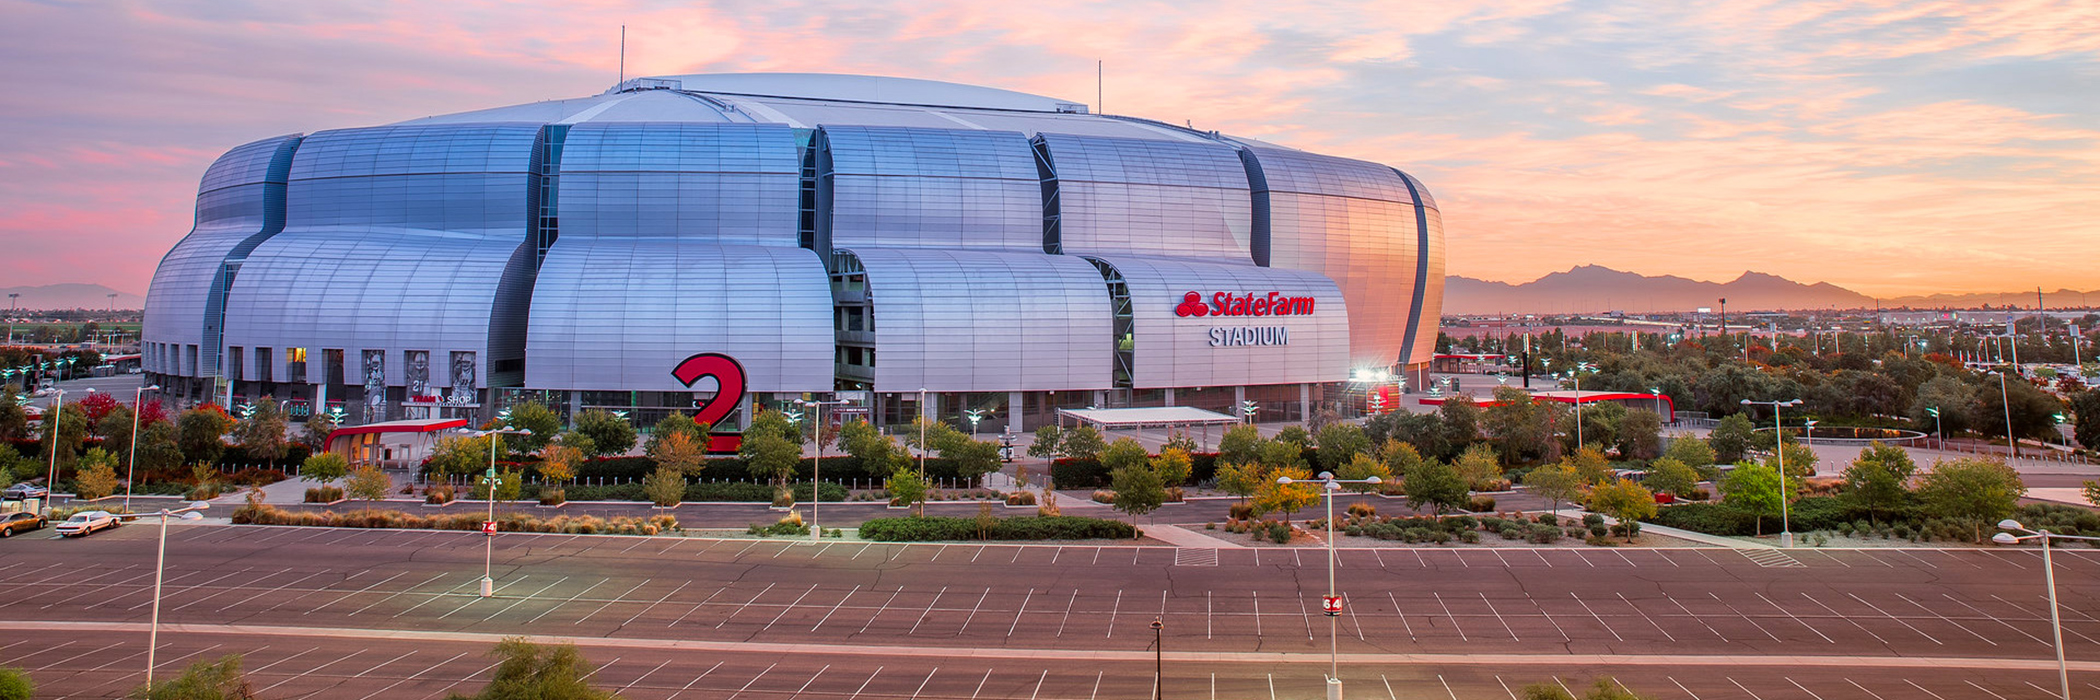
332, 367
295, 365
265, 370
233, 363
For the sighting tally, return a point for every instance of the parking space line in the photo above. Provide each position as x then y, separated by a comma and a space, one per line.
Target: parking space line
315, 671
638, 679
1403, 616
812, 679
1702, 621
929, 610
493, 593
1068, 612
652, 606
1447, 686
1306, 616
980, 552
1585, 557
1746, 618
1118, 609
1899, 620
1650, 618
1877, 560
922, 684
1017, 554
1943, 618
418, 674
622, 597
1994, 694
696, 606
1920, 559
1097, 557
1804, 689
1994, 618
864, 684
739, 609
430, 597
1680, 686
1863, 689
2075, 611
352, 593
1739, 684
938, 550
1206, 615
265, 595
1503, 559
1257, 614
1549, 618
1060, 552
1498, 616
790, 607
2044, 691
1593, 614
192, 587
886, 608
1018, 612
863, 550
754, 680
571, 599
740, 553
834, 608
1841, 616
1790, 614
1922, 689
94, 589
1353, 621
521, 600
71, 657
1454, 618
1098, 675
980, 684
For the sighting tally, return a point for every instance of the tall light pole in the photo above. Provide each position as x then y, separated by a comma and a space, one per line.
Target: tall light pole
11, 297
488, 560
1786, 530
1808, 430
1159, 668
131, 467
924, 419
51, 422
2063, 671
1248, 409
1332, 604
2005, 401
1937, 438
160, 563
816, 468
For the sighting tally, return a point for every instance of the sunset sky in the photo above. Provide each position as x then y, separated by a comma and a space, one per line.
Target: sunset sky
1888, 147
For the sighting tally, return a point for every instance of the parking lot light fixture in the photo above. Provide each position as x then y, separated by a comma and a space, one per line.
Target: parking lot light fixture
2063, 671
51, 421
816, 468
1332, 603
131, 464
160, 564
488, 554
1786, 530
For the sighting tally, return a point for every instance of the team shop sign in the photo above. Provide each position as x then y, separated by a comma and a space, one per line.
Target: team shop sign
1257, 305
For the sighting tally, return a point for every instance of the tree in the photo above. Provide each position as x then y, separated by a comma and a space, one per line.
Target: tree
1283, 454
1800, 460
158, 447
97, 477
972, 458
673, 424
1520, 428
368, 483
2085, 421
1240, 444
2032, 411
1731, 438
200, 432
1173, 465
1400, 458
1754, 489
610, 434
770, 456
1955, 399
67, 435
538, 672
906, 487
1666, 475
1273, 497
1138, 489
1295, 434
261, 433
1640, 434
1624, 500
1047, 440
461, 454
1600, 425
665, 486
1082, 442
314, 434
1239, 478
1979, 491
677, 450
14, 422
538, 418
1179, 439
324, 467
98, 405
1360, 467
1437, 485
1123, 453
866, 444
1479, 467
1555, 482
1340, 442
1879, 480
203, 680
1590, 465
558, 465
1422, 430
1692, 451
15, 685
1460, 416
115, 430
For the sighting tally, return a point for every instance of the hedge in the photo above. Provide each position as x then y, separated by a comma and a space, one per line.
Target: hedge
1041, 527
1090, 474
836, 468
261, 514
1805, 515
731, 491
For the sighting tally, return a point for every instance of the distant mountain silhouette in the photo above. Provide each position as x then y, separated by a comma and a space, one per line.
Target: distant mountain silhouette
1594, 289
70, 295
2052, 301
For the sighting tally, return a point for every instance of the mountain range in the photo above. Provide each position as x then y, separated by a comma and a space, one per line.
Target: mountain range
1595, 289
71, 295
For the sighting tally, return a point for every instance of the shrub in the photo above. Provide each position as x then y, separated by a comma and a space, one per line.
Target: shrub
1279, 533
1709, 518
553, 496
15, 685
1481, 504
1240, 511
1598, 530
439, 494
1469, 537
324, 494
1037, 527
263, 514
1362, 510
1544, 534
1592, 519
1102, 496
1021, 498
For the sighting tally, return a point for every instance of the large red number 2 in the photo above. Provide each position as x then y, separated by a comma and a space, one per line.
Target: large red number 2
730, 375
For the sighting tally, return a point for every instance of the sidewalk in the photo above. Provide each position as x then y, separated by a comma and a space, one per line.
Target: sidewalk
1184, 537
1651, 528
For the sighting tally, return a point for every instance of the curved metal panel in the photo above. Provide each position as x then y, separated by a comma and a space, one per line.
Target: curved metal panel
1357, 224
240, 202
620, 313
396, 239
1176, 350
961, 320
936, 188
721, 183
1121, 196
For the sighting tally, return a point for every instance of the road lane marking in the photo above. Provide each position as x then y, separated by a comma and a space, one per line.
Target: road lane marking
834, 608
739, 609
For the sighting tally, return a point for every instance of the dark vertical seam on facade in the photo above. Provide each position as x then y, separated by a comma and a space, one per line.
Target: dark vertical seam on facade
1258, 196
1414, 314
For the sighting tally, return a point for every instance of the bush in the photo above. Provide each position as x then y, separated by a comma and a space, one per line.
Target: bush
1036, 527
264, 514
15, 685
720, 491
1240, 511
1592, 519
324, 494
553, 496
1544, 534
1279, 533
1362, 510
1103, 496
1021, 498
438, 494
1481, 504
1710, 518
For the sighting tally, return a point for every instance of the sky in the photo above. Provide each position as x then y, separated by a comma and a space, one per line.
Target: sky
1890, 147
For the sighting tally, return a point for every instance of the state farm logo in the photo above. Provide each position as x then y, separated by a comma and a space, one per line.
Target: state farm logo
1226, 304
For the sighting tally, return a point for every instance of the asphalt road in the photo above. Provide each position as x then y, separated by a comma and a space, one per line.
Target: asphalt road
322, 613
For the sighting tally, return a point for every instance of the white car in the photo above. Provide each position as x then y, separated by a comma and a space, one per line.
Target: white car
85, 522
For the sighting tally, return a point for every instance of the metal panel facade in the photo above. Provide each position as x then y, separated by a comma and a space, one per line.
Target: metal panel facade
1354, 222
618, 314
395, 240
719, 183
1145, 197
934, 188
234, 211
1172, 350
956, 320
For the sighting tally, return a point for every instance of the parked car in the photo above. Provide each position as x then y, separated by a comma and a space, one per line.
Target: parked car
20, 522
85, 522
21, 491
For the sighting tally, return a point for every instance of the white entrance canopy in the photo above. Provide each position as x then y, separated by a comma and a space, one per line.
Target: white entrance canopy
1155, 417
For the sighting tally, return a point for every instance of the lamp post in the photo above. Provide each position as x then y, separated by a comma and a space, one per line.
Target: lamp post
2063, 671
11, 297
160, 562
1248, 409
816, 468
1332, 605
488, 554
1576, 376
1158, 660
51, 422
2004, 401
1808, 430
924, 419
132, 464
1786, 531
1938, 440
974, 414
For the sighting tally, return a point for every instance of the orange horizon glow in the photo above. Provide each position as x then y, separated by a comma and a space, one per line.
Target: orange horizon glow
1891, 147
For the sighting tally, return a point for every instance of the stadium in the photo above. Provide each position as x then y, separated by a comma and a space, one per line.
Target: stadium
720, 242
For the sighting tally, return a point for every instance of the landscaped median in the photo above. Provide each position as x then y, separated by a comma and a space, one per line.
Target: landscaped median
264, 514
1034, 527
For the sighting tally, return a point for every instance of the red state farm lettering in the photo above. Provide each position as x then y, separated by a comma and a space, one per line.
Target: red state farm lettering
1228, 304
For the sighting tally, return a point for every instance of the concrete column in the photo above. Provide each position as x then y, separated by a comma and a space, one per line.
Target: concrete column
743, 420
1304, 402
1170, 396
1239, 398
575, 404
1015, 404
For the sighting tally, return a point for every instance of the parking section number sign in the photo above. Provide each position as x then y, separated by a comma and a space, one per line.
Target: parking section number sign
1332, 604
488, 527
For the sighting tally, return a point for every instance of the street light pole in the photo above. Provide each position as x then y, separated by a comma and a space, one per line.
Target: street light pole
51, 422
2056, 626
132, 464
1332, 603
923, 420
160, 562
1158, 661
1786, 530
2005, 401
488, 553
816, 468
